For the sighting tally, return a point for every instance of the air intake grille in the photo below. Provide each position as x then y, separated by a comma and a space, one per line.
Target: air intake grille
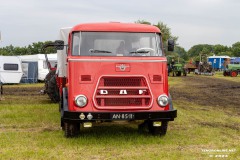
123, 82
122, 93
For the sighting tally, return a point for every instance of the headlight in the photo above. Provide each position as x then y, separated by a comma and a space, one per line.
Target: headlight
163, 100
81, 100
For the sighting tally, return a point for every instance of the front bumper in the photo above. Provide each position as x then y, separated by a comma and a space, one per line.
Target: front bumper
106, 116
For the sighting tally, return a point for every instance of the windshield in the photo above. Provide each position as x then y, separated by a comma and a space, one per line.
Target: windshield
116, 44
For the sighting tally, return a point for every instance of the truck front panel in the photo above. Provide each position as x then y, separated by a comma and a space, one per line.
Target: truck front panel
122, 84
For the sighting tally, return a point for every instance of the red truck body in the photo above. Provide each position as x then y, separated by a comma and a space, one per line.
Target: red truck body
102, 84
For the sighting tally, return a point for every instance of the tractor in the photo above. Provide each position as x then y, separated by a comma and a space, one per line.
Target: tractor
204, 67
177, 69
232, 70
50, 81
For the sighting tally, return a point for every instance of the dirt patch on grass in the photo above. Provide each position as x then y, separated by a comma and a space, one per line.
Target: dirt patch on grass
21, 91
208, 91
218, 124
24, 94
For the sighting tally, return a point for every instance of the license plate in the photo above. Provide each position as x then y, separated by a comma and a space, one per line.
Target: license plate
122, 116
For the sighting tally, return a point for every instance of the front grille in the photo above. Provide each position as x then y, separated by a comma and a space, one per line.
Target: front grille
123, 82
122, 93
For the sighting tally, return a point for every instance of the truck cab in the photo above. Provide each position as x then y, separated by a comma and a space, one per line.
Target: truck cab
115, 72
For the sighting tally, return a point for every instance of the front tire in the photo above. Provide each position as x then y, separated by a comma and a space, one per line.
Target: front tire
71, 129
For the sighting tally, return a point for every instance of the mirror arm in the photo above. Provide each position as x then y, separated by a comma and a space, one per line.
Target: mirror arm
47, 45
58, 44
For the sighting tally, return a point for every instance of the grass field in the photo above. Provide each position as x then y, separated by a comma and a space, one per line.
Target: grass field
29, 129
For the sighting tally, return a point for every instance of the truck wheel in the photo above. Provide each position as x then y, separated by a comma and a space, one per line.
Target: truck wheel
233, 74
71, 129
161, 131
52, 90
61, 112
143, 127
179, 73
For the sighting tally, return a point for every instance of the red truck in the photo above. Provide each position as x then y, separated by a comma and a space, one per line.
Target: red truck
113, 72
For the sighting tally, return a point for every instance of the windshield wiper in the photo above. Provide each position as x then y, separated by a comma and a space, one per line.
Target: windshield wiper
98, 51
142, 51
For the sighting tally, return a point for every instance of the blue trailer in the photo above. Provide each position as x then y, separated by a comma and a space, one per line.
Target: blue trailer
235, 60
218, 62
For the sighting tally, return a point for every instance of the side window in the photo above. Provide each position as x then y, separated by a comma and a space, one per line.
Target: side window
159, 45
76, 42
10, 67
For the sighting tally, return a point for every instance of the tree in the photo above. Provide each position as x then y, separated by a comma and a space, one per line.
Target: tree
35, 48
200, 49
236, 49
165, 30
219, 49
181, 52
227, 53
142, 22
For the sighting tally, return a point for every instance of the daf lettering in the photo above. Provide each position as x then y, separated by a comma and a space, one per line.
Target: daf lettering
103, 92
123, 92
141, 91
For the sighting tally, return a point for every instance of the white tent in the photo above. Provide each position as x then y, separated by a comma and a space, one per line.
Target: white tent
42, 65
10, 69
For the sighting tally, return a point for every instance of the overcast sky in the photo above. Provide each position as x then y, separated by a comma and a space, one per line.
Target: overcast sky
23, 22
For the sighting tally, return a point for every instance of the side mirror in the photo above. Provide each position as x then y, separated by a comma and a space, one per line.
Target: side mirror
59, 44
170, 45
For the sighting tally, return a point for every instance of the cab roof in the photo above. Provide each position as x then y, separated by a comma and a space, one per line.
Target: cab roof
115, 27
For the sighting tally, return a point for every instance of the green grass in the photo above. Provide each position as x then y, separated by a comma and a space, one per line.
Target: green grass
29, 129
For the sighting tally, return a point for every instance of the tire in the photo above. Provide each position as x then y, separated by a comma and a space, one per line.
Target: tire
52, 90
225, 73
61, 112
71, 129
63, 104
47, 79
233, 73
179, 73
160, 131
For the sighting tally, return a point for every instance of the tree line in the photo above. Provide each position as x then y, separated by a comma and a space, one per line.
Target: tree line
218, 50
34, 48
193, 53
